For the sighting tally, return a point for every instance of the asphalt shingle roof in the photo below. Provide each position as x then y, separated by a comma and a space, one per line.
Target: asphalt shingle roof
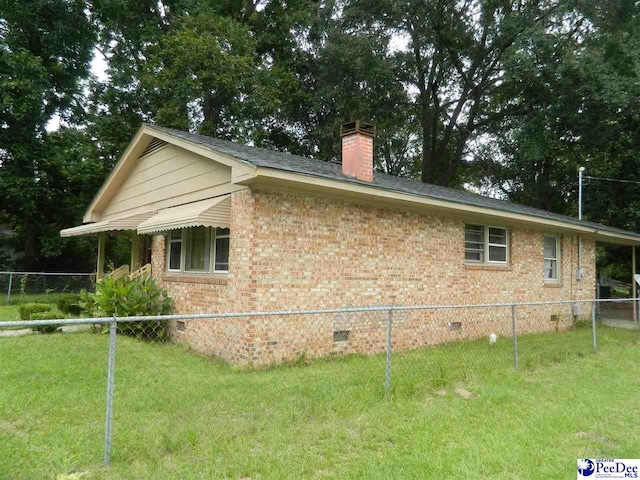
261, 157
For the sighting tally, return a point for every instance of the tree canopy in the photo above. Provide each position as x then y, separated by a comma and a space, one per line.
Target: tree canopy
507, 97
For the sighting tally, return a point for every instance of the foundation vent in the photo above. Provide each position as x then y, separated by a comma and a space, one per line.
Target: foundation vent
455, 326
341, 336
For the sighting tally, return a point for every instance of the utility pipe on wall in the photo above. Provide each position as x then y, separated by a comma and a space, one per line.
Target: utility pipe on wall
579, 271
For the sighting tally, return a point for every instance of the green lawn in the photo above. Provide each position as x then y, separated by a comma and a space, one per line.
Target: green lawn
18, 298
8, 312
179, 415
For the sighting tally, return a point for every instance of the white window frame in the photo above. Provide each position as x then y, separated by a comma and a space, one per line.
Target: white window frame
183, 253
214, 237
557, 258
505, 245
182, 249
486, 246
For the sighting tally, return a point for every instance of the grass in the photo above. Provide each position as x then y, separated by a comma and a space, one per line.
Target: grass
12, 312
19, 298
180, 415
9, 312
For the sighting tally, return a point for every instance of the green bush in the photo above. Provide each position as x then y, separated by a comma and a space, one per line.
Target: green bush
27, 310
70, 303
86, 304
48, 315
126, 298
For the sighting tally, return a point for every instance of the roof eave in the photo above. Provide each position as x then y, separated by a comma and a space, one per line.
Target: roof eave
358, 190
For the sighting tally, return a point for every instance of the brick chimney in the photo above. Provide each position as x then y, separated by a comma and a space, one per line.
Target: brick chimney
357, 150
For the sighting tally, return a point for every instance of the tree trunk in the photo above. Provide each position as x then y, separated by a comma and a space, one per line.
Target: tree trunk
427, 144
211, 113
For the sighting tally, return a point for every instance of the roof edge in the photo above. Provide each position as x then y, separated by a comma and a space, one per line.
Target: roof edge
361, 188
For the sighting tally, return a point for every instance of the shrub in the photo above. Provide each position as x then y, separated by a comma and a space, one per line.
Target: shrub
69, 303
86, 304
125, 298
27, 310
48, 315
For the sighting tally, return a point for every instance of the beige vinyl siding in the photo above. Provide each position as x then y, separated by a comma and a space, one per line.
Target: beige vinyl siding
168, 177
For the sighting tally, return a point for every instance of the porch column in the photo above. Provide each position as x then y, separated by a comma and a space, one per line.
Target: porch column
135, 252
633, 283
100, 261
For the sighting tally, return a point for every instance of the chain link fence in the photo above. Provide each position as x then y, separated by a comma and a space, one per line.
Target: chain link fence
60, 387
21, 287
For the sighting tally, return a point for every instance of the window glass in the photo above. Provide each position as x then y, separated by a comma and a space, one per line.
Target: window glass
497, 244
474, 243
198, 249
550, 257
497, 254
497, 236
221, 261
175, 250
549, 246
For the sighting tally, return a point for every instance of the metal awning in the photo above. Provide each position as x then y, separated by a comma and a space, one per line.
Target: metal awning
213, 212
129, 222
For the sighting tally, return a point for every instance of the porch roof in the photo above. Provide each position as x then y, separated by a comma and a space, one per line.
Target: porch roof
128, 222
214, 212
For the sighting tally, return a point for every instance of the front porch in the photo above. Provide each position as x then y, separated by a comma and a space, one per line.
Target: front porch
139, 228
140, 258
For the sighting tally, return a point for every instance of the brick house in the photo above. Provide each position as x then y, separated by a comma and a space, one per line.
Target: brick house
232, 228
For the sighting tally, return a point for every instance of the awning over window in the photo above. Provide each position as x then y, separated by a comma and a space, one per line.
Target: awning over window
214, 212
129, 222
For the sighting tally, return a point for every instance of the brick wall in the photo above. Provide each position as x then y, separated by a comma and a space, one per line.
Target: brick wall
297, 252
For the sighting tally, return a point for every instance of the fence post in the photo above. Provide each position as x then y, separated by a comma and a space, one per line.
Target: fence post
110, 384
387, 377
10, 285
514, 335
593, 326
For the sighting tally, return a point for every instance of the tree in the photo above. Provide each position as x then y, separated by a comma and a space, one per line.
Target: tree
453, 67
45, 48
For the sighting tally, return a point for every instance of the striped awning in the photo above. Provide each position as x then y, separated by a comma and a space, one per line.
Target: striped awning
128, 222
213, 212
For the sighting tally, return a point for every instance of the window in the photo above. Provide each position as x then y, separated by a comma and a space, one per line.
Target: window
199, 250
474, 243
497, 245
175, 250
221, 250
484, 244
551, 256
